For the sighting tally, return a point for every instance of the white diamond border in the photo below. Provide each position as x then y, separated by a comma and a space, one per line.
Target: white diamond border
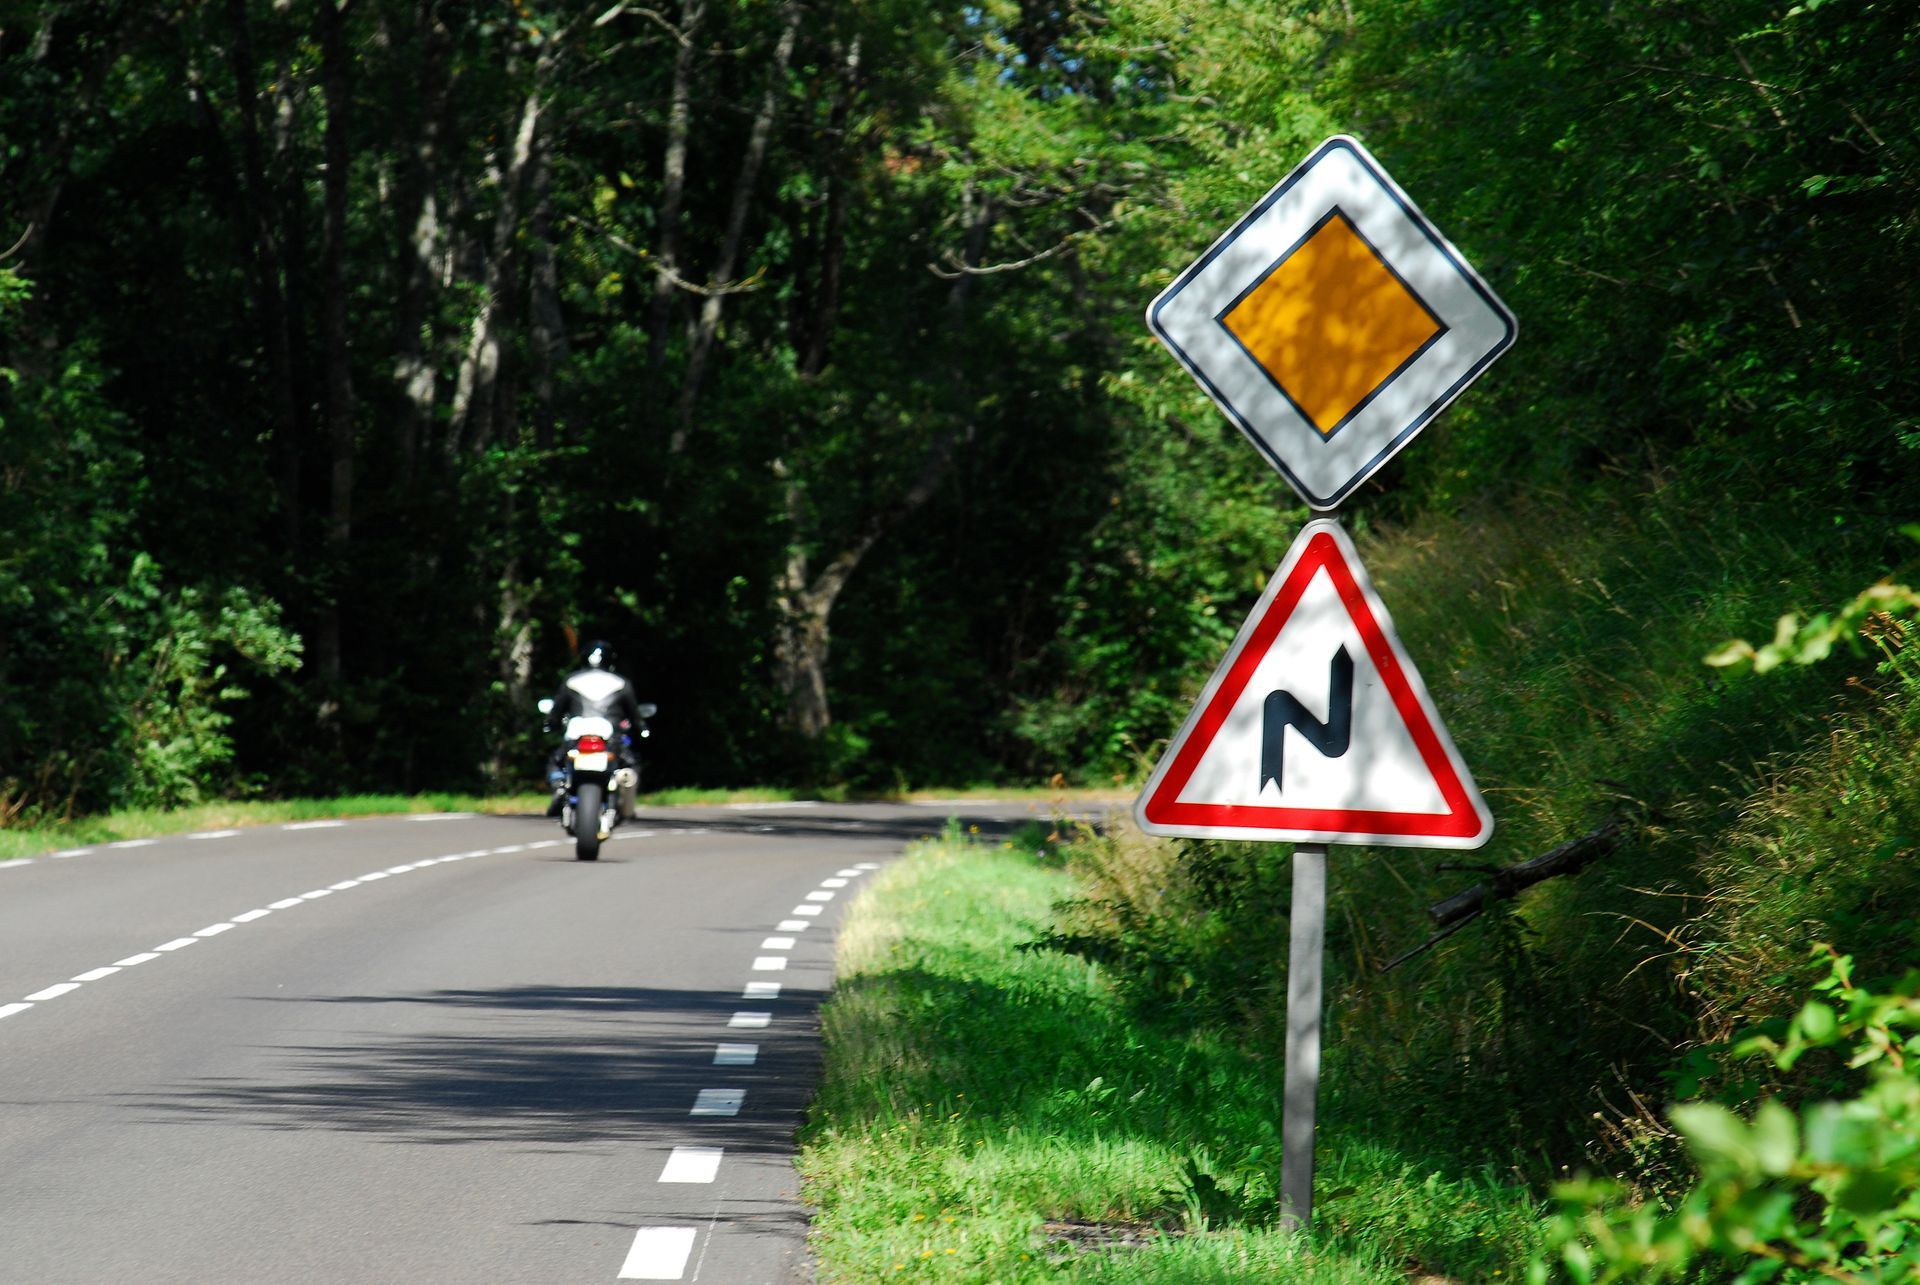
1341, 173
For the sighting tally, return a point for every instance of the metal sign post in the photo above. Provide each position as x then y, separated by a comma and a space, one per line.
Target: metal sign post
1331, 324
1306, 956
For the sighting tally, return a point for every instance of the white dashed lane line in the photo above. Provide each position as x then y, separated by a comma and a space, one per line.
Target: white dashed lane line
735, 1054
246, 917
693, 1164
659, 1254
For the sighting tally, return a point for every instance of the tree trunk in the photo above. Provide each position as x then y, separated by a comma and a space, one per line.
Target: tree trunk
803, 603
817, 347
268, 275
730, 246
673, 184
413, 366
549, 323
474, 404
335, 88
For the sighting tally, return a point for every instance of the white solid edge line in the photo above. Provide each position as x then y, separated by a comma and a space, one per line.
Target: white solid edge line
213, 930
133, 843
735, 1054
52, 992
808, 910
95, 974
749, 1020
692, 1164
511, 847
178, 943
285, 903
793, 925
131, 960
213, 834
17, 861
777, 943
8, 1010
659, 1254
718, 1102
70, 852
441, 816
251, 915
312, 825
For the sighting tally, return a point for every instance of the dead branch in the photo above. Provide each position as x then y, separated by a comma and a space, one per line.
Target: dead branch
1453, 913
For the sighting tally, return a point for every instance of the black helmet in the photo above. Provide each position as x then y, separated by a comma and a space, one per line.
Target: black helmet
598, 654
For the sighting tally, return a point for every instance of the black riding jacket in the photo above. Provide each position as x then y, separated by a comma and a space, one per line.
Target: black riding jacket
595, 693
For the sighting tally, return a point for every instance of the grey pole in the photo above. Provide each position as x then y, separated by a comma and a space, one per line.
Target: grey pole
1306, 935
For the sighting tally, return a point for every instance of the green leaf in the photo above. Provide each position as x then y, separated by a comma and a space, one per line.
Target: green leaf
1817, 1022
1868, 1193
1715, 1135
1776, 1138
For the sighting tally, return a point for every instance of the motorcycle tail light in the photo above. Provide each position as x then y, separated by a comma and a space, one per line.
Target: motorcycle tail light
593, 745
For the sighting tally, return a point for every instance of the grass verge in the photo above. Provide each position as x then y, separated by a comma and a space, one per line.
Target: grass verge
145, 823
990, 1113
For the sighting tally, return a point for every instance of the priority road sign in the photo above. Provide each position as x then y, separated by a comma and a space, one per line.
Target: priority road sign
1316, 727
1332, 322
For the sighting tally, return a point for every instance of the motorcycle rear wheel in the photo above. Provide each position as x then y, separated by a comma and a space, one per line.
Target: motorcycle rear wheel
586, 822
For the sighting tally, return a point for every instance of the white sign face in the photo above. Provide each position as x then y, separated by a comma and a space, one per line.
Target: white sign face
1316, 727
1332, 322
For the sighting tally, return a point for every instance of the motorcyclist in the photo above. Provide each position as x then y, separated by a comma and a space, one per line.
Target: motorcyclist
594, 690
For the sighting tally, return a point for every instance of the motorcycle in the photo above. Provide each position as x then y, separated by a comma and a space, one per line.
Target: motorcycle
601, 789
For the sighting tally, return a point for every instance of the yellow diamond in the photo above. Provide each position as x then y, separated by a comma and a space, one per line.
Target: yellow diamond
1331, 323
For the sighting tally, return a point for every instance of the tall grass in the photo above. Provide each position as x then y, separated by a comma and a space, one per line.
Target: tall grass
1563, 642
997, 1113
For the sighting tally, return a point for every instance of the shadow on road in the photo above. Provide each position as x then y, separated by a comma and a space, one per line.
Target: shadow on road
533, 1065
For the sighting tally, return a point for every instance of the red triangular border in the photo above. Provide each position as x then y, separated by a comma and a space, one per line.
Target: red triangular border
1461, 822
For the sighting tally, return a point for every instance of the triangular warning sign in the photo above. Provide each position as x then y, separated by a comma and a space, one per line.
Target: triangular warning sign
1316, 727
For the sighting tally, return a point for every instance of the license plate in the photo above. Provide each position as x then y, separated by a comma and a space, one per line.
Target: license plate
591, 762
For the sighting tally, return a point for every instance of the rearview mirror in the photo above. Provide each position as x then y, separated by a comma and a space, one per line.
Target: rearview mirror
648, 711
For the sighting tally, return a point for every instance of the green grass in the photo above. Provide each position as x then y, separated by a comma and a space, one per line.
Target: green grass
975, 1091
142, 823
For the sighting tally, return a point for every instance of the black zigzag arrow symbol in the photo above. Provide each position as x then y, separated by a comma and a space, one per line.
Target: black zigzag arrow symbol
1284, 710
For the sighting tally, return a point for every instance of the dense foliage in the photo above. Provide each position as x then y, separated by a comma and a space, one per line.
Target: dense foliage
795, 346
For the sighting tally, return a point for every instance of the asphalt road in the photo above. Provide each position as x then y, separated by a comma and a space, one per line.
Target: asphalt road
425, 1049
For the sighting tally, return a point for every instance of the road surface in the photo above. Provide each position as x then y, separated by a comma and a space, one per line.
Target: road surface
425, 1049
